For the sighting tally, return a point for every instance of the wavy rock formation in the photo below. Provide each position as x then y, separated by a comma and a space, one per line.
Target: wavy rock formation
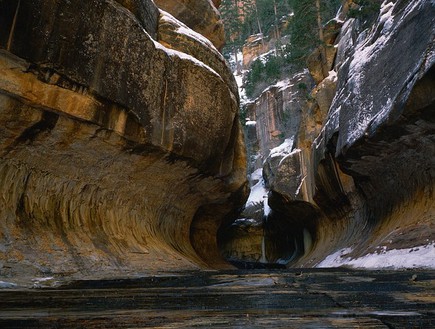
358, 172
120, 145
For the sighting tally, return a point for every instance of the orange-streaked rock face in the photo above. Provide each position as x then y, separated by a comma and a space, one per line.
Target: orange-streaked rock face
118, 152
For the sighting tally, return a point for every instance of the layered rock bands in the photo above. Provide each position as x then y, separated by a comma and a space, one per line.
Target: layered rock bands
120, 144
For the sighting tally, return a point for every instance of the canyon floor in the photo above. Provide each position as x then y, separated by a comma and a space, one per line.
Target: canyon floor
309, 298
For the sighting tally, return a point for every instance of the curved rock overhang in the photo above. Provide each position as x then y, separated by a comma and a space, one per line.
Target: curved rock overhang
364, 180
112, 144
380, 138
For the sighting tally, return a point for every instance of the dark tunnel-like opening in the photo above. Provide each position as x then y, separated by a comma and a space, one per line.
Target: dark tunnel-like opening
275, 241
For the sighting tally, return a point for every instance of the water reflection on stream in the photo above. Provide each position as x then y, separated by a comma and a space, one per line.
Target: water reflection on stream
316, 298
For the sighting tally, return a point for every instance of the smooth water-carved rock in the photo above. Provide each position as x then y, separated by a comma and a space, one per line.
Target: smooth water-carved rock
117, 153
359, 175
374, 138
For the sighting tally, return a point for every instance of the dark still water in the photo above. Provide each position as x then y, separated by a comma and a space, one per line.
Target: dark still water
314, 298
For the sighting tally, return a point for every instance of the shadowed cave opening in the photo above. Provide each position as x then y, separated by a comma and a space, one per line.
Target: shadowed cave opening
273, 241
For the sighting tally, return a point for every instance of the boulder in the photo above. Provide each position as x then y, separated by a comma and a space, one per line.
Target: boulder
284, 174
174, 34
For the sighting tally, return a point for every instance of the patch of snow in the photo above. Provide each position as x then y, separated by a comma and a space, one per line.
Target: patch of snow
259, 194
245, 221
242, 93
4, 284
386, 17
265, 57
284, 149
332, 76
250, 123
417, 257
232, 59
386, 7
184, 29
257, 174
239, 80
258, 37
267, 209
45, 282
281, 85
181, 55
300, 185
335, 259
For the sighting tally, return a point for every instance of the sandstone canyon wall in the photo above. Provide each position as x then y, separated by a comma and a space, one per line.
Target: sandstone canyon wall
120, 143
356, 171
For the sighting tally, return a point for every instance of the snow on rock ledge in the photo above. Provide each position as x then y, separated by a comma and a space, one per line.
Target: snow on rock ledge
386, 62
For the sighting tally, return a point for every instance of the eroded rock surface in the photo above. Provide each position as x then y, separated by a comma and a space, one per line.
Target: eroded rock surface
359, 174
117, 153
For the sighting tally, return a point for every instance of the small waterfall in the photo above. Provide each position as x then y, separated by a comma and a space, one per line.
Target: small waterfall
263, 258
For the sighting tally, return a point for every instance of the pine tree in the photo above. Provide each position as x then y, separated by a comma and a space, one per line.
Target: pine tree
230, 11
307, 28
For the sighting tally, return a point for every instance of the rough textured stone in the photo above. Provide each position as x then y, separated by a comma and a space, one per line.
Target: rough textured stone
319, 68
200, 15
117, 153
254, 46
284, 174
243, 240
324, 93
278, 111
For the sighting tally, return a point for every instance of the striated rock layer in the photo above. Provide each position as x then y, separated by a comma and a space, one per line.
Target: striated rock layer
359, 172
117, 152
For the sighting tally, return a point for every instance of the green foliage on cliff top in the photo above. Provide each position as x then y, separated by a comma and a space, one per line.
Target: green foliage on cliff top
294, 25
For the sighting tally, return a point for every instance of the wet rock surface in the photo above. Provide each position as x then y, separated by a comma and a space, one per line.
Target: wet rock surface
324, 298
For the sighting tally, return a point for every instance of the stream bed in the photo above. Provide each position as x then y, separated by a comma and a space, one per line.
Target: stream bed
294, 298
